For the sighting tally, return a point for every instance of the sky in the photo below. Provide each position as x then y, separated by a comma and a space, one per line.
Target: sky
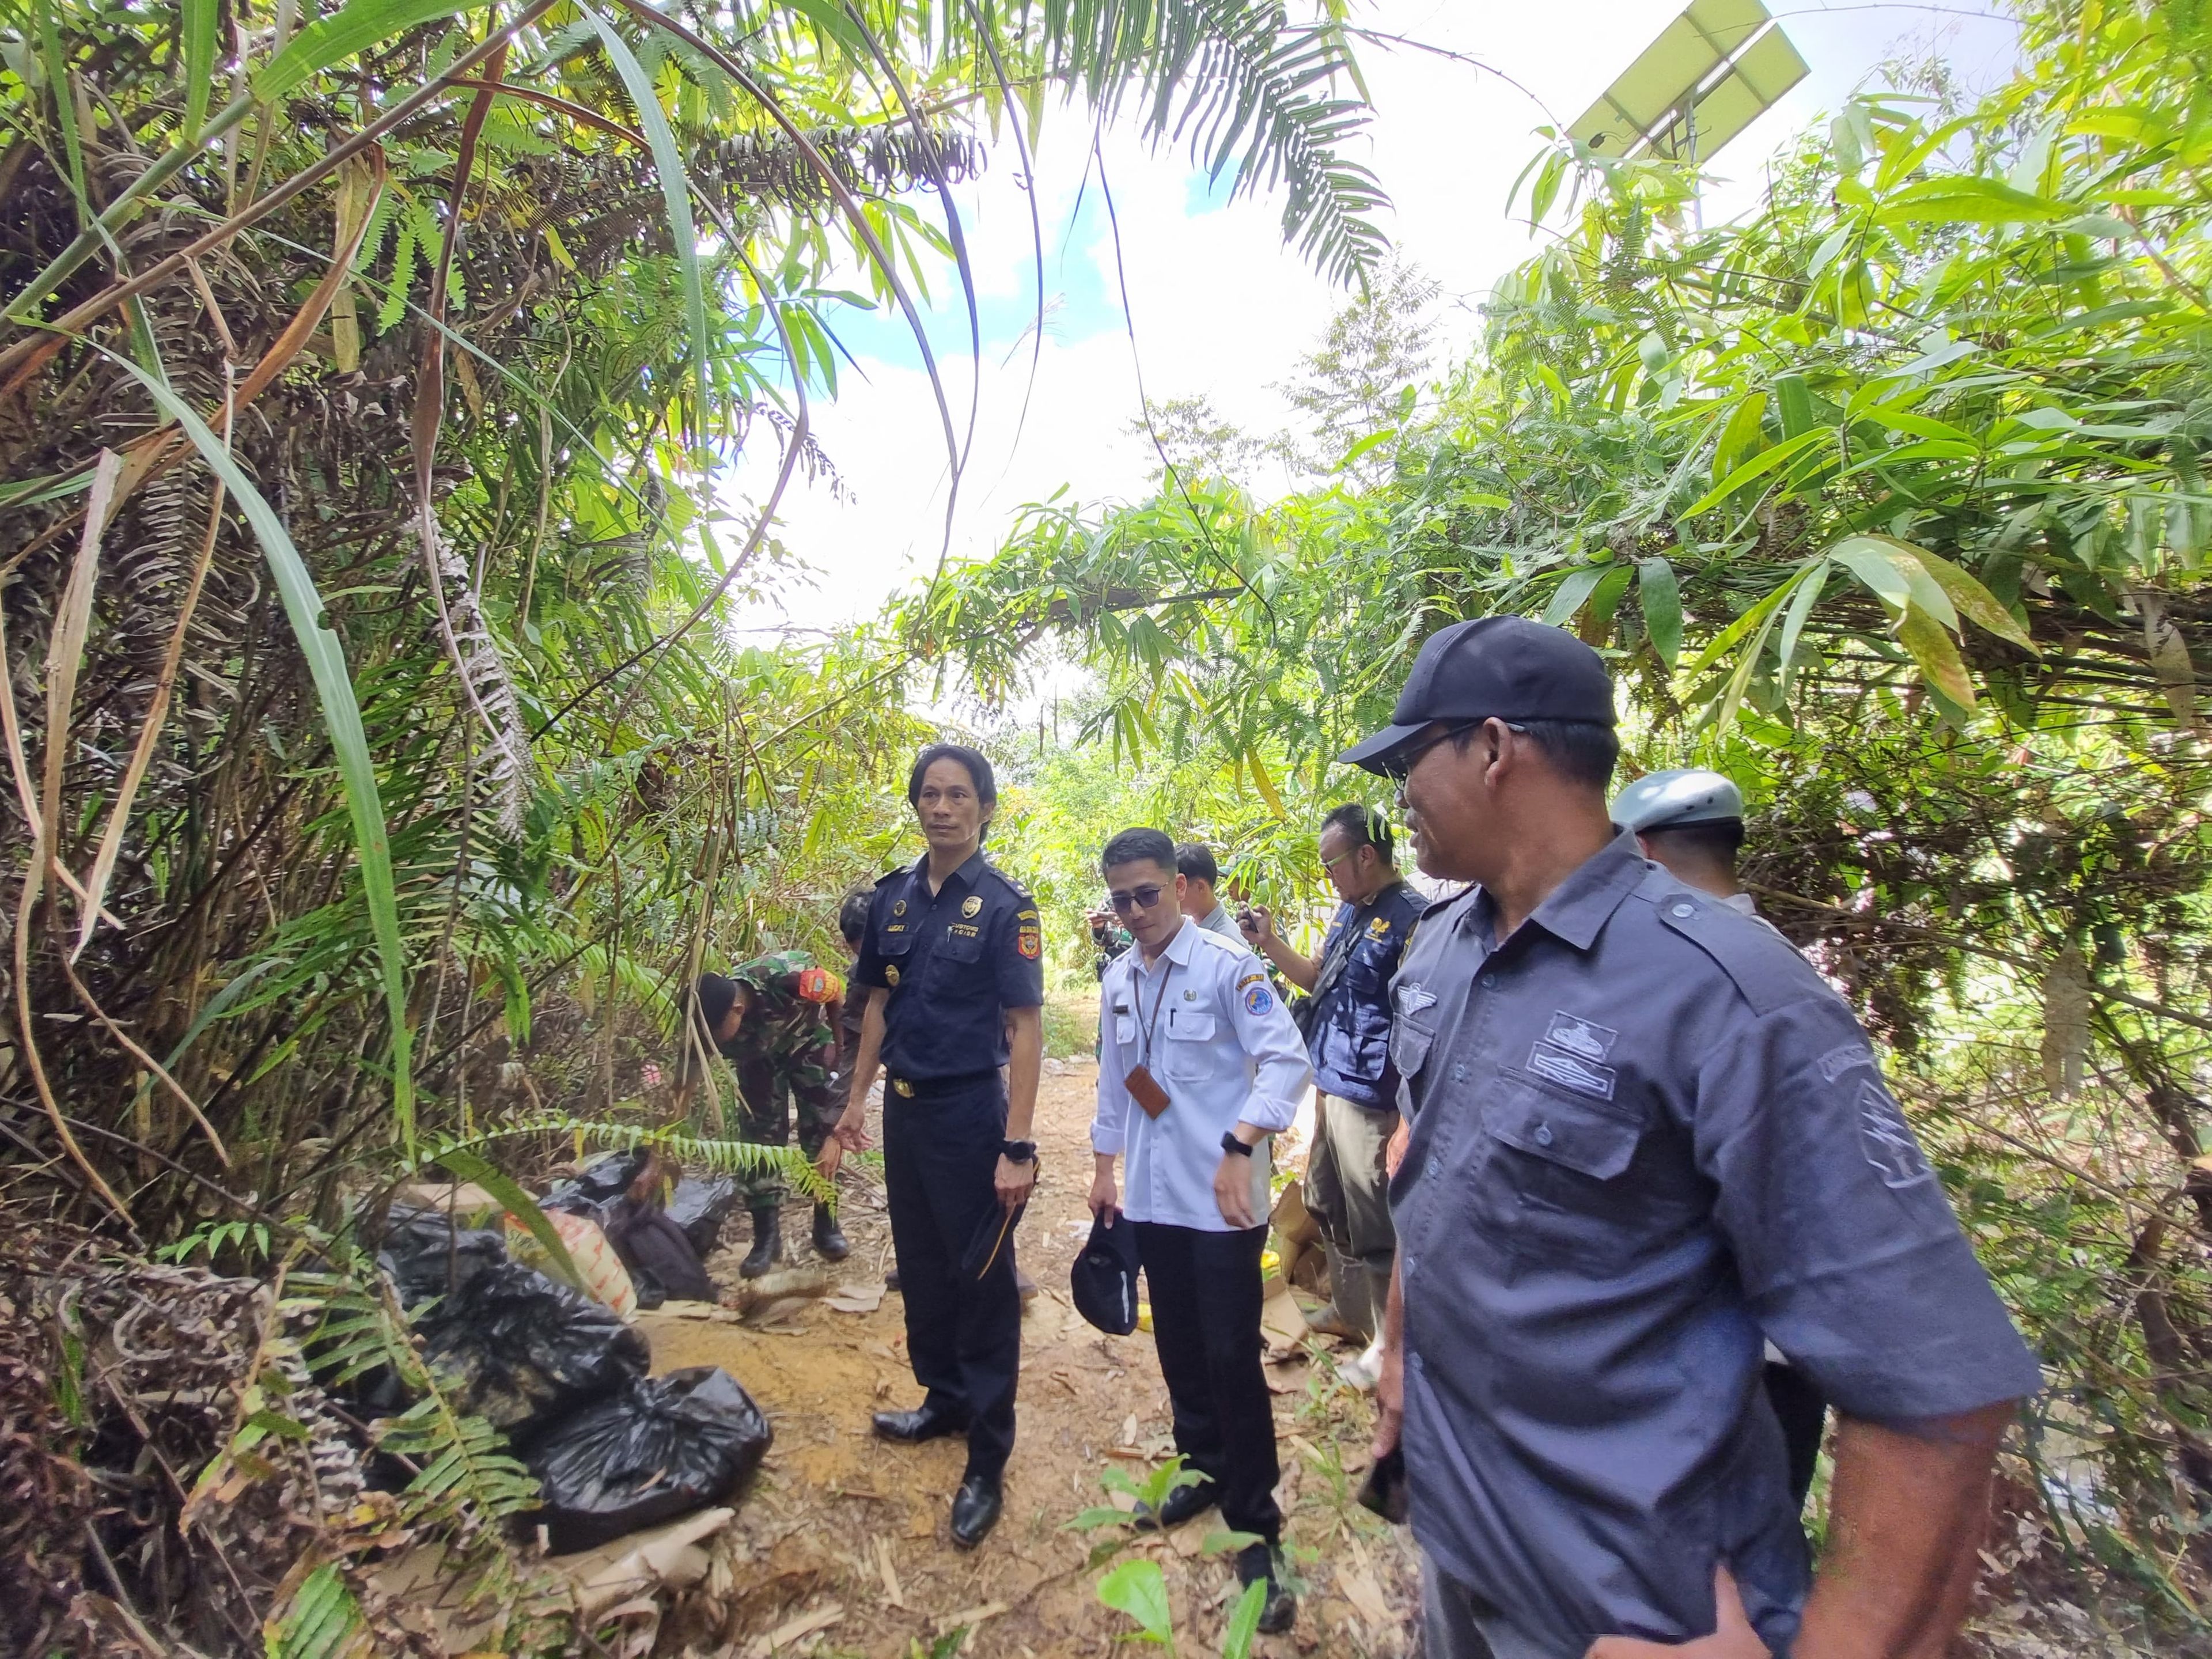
1216, 304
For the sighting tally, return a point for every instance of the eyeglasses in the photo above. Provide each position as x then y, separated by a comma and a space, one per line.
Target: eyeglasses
1400, 767
1140, 898
1330, 864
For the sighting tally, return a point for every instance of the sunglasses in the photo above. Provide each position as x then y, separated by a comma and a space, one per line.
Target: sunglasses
1400, 767
1140, 898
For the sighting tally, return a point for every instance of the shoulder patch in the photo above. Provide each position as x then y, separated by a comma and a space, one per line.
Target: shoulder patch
1254, 978
1764, 969
1259, 1000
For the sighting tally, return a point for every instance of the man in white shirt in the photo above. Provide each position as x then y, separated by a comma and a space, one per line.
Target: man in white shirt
1195, 861
1199, 1065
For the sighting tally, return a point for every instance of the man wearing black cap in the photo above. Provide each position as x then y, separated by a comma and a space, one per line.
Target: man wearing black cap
1646, 1136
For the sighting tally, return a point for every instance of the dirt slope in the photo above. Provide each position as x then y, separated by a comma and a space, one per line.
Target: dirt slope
842, 1522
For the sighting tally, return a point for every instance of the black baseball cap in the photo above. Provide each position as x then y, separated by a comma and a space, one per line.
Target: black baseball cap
1505, 668
1104, 1281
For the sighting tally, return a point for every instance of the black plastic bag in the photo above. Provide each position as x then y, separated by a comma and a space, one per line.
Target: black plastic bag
426, 1255
661, 1448
659, 1254
700, 1206
597, 1186
525, 1352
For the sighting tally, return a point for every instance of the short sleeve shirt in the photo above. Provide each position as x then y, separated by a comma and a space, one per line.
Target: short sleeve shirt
954, 962
1646, 1135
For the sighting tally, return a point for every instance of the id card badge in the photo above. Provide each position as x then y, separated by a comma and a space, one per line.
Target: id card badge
1146, 1090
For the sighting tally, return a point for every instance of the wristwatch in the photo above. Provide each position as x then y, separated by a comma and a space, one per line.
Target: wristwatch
1230, 1143
1018, 1151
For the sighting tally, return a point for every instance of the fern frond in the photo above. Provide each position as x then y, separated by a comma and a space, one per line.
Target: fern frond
733, 1157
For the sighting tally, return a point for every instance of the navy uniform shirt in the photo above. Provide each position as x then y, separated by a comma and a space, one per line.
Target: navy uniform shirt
1646, 1135
1349, 1038
954, 964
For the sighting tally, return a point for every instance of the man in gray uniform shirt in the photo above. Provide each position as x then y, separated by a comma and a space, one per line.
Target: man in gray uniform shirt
1646, 1136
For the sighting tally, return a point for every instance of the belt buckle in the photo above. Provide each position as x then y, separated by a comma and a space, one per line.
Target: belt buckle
903, 1087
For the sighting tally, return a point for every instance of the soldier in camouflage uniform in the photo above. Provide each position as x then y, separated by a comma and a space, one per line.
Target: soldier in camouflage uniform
776, 1019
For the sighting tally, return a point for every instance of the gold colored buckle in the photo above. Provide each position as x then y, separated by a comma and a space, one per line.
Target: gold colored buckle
903, 1087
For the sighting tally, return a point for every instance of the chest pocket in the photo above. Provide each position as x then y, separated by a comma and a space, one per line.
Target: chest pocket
1409, 1052
953, 958
1551, 1186
1125, 1028
1187, 1049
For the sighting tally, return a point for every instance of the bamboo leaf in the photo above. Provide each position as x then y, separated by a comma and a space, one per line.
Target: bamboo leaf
467, 1166
675, 184
1793, 622
1937, 653
1264, 784
1893, 569
1758, 467
1661, 595
1968, 201
326, 664
197, 24
355, 28
1973, 601
1572, 590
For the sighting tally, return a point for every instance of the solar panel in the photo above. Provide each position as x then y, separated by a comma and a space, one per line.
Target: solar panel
1724, 58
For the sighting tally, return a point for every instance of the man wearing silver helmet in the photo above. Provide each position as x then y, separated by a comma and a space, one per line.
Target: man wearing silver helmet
1690, 821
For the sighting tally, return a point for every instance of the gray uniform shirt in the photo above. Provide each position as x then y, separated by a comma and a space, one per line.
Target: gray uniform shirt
1646, 1135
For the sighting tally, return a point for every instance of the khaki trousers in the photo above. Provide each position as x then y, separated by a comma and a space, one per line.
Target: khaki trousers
1347, 1192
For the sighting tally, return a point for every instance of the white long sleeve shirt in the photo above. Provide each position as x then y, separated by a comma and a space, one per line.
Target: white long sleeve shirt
1224, 1048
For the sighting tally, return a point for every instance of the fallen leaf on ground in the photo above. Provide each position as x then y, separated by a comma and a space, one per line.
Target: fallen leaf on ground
859, 1299
969, 1617
783, 1635
1360, 1589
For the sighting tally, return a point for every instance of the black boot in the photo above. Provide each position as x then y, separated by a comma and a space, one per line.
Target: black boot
828, 1238
768, 1242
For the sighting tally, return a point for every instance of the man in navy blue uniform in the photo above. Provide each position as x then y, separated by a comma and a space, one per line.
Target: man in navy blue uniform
952, 965
1348, 1031
1646, 1139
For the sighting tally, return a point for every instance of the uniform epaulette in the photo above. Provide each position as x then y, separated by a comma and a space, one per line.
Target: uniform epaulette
1436, 907
1762, 964
1019, 890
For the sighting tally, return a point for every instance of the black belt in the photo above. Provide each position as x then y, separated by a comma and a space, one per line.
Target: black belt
935, 1088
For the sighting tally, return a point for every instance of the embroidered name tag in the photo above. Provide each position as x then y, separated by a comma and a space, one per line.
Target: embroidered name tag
1571, 1072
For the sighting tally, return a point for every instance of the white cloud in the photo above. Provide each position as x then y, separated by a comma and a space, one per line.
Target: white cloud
1219, 305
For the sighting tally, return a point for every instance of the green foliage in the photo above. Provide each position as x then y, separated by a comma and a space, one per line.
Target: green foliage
1138, 1589
322, 1622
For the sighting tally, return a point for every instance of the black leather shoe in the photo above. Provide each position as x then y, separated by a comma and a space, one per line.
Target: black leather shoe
768, 1244
828, 1238
916, 1426
976, 1509
1259, 1561
1177, 1507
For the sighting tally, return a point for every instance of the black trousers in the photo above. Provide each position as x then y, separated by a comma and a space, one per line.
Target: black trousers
963, 1335
1803, 1413
1205, 1292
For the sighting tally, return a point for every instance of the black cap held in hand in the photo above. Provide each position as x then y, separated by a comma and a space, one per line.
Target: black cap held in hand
1505, 668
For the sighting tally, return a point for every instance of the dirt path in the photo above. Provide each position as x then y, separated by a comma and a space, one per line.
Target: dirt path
841, 1521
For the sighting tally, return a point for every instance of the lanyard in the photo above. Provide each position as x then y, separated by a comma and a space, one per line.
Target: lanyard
1146, 1056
